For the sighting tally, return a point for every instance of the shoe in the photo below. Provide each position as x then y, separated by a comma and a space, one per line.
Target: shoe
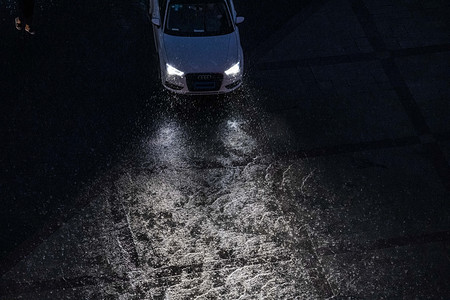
29, 30
18, 23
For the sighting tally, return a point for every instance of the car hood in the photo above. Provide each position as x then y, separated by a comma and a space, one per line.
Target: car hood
208, 54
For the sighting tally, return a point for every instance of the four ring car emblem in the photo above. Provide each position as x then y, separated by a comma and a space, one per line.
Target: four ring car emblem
204, 77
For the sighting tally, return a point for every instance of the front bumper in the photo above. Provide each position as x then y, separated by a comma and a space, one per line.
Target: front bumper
202, 83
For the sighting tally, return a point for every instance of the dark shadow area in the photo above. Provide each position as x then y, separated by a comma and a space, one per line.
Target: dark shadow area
264, 18
70, 99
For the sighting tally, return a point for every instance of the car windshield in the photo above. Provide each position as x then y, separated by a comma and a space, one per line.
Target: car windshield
198, 18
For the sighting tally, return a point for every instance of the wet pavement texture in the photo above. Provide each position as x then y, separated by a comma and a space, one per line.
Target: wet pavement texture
326, 176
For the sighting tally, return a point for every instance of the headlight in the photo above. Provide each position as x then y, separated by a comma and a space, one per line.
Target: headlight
172, 71
235, 69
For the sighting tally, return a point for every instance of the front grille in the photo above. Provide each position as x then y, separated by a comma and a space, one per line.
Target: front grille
203, 82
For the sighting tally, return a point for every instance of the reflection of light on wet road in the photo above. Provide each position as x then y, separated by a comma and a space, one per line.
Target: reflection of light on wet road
167, 145
206, 202
199, 211
233, 125
237, 141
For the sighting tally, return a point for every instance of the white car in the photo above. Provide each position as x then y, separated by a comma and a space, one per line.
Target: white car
198, 45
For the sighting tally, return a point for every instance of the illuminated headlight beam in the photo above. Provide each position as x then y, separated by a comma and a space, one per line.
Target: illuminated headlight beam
173, 71
235, 69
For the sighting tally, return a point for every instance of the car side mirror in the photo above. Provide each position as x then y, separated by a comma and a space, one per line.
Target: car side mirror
156, 22
239, 20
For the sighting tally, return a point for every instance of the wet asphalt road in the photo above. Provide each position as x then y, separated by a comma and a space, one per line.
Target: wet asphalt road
213, 197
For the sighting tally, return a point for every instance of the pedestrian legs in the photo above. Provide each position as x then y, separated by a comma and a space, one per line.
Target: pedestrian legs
26, 8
